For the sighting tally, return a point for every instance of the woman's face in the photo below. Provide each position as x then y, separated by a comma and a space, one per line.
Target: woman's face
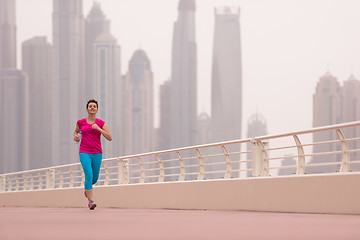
92, 108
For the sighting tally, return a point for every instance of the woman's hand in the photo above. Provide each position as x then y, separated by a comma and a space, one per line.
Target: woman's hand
95, 126
76, 132
76, 138
104, 131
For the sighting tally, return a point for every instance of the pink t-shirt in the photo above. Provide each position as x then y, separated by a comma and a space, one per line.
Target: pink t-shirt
90, 138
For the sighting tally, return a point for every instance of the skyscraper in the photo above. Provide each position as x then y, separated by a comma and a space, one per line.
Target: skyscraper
326, 111
256, 126
14, 137
107, 90
226, 91
350, 111
95, 24
14, 126
226, 82
164, 128
138, 105
183, 116
36, 63
7, 34
69, 103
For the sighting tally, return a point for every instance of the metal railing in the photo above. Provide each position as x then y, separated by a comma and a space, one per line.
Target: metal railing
222, 160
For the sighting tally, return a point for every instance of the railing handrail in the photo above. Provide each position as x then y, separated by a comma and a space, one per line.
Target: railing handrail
260, 160
259, 138
312, 130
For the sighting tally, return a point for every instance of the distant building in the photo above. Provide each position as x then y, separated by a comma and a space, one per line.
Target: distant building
14, 108
69, 103
14, 122
350, 111
226, 85
256, 127
326, 111
183, 116
226, 91
95, 25
164, 128
7, 34
108, 90
138, 105
37, 64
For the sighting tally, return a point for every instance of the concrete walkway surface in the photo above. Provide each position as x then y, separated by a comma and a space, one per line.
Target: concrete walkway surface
107, 223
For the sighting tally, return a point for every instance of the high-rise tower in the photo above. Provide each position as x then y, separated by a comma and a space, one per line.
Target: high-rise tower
138, 105
7, 34
350, 111
95, 25
226, 92
164, 128
36, 62
14, 137
14, 126
107, 90
183, 117
326, 111
69, 103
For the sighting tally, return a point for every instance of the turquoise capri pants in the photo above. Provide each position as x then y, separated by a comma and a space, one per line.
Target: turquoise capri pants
91, 163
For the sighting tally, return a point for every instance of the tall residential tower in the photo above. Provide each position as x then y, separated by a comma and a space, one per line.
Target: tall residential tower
95, 25
69, 103
107, 90
326, 111
183, 116
138, 105
14, 135
226, 83
36, 63
7, 34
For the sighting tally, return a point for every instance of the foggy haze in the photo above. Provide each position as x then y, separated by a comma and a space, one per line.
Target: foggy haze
286, 46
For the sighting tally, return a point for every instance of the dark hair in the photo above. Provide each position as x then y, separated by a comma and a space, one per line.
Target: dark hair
92, 101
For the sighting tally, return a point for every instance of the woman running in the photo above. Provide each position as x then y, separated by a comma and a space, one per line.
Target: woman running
90, 150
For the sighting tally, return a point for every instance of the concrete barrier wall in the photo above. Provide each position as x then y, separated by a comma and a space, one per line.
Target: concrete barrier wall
335, 193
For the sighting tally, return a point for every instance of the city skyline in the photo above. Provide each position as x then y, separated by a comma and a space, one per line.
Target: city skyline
296, 52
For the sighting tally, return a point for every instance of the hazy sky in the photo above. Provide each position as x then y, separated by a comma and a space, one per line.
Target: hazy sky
286, 46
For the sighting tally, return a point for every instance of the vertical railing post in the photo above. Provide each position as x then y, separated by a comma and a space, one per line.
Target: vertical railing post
71, 176
50, 178
82, 184
61, 182
123, 171
40, 180
345, 159
25, 182
2, 183
31, 182
17, 183
106, 169
142, 171
161, 169
227, 161
301, 156
201, 175
260, 160
182, 167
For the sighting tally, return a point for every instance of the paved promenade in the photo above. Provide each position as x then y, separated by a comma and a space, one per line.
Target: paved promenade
128, 224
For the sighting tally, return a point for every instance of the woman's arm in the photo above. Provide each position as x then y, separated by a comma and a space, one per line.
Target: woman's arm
77, 130
104, 131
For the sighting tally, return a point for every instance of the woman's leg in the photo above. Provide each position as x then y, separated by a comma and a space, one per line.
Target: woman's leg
86, 163
96, 165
